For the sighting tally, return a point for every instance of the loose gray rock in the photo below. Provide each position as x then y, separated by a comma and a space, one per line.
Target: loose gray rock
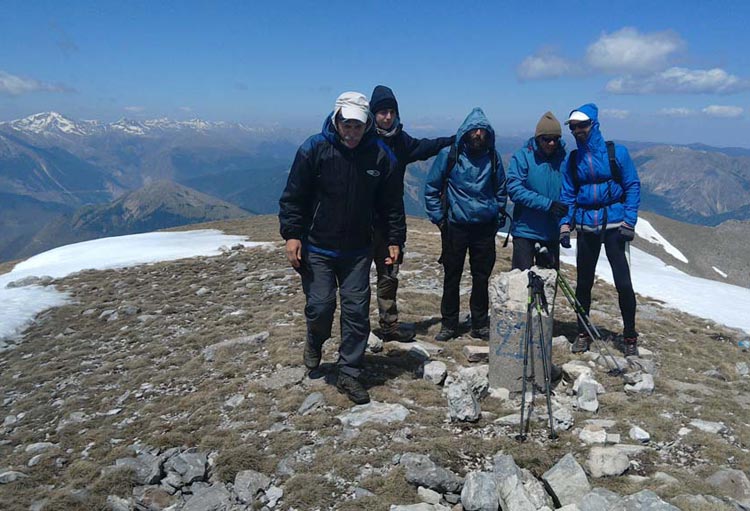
477, 377
575, 368
463, 405
599, 499
234, 401
422, 471
567, 481
9, 476
274, 494
476, 353
535, 491
374, 343
428, 496
510, 487
480, 492
209, 352
742, 369
191, 466
645, 500
373, 411
607, 461
214, 498
645, 386
434, 372
665, 478
115, 503
591, 434
709, 427
732, 483
422, 506
38, 447
563, 417
284, 377
639, 434
248, 483
586, 399
147, 467
311, 403
31, 280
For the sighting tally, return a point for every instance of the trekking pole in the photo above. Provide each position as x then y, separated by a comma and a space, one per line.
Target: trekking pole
590, 328
523, 427
541, 302
510, 226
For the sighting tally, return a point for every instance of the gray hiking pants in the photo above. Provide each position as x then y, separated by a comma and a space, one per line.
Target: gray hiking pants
322, 275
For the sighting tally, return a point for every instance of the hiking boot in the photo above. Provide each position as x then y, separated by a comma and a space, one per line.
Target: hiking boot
312, 355
352, 388
581, 344
630, 346
482, 333
446, 334
398, 334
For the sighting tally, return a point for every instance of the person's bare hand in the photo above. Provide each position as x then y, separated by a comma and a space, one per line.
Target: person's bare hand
294, 252
394, 251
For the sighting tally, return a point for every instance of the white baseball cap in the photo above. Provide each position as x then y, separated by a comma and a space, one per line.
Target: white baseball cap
577, 116
352, 105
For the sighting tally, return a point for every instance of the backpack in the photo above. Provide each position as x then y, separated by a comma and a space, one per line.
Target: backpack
614, 167
452, 158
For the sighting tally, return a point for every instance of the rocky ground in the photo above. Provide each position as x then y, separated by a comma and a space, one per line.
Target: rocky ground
179, 386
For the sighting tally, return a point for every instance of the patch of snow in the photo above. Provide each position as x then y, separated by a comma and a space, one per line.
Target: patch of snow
18, 306
646, 231
720, 302
719, 272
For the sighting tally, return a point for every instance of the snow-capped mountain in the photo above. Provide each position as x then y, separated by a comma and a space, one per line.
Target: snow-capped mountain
53, 123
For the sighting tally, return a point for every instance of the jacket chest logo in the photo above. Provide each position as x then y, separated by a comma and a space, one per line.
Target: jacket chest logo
373, 172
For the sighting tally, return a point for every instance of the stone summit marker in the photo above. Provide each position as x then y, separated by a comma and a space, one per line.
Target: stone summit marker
508, 304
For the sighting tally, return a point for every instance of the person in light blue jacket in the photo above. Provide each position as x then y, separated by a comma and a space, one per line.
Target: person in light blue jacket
534, 181
465, 196
603, 197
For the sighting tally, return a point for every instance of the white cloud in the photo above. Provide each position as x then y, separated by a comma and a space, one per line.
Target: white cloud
17, 85
134, 109
676, 112
614, 113
724, 111
544, 64
679, 80
629, 51
186, 109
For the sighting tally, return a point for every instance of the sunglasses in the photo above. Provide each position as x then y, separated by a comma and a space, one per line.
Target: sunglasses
547, 139
579, 125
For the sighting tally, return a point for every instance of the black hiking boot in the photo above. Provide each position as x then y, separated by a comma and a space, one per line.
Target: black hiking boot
352, 388
581, 344
630, 346
446, 334
311, 357
398, 333
482, 333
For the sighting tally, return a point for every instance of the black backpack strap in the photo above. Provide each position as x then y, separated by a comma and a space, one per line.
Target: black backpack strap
614, 167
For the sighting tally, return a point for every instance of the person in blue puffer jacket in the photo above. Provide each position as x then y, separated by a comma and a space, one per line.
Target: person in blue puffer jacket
465, 196
534, 181
603, 208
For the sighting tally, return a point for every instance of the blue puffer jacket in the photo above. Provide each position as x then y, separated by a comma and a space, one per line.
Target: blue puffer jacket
471, 198
534, 181
599, 197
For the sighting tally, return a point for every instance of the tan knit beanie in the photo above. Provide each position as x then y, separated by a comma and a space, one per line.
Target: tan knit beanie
548, 125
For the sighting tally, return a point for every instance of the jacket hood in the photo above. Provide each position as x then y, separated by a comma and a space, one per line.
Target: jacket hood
383, 97
595, 136
476, 119
332, 136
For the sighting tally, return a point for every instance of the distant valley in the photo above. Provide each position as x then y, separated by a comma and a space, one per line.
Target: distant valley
63, 180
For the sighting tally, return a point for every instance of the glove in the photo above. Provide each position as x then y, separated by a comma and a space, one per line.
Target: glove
565, 236
627, 233
558, 209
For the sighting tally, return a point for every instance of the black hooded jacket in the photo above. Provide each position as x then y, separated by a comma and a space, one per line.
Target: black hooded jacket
333, 193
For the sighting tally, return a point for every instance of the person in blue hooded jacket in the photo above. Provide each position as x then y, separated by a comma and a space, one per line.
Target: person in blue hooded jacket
465, 196
534, 181
603, 208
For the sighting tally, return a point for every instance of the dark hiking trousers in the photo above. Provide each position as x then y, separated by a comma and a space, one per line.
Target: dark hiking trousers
321, 276
387, 284
589, 246
479, 240
525, 255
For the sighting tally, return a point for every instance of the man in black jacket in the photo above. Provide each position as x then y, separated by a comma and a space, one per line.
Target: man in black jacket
339, 178
384, 108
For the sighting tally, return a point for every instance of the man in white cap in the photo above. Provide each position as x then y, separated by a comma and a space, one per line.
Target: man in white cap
339, 179
602, 191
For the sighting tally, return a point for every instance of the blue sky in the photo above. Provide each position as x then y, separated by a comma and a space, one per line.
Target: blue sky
664, 71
